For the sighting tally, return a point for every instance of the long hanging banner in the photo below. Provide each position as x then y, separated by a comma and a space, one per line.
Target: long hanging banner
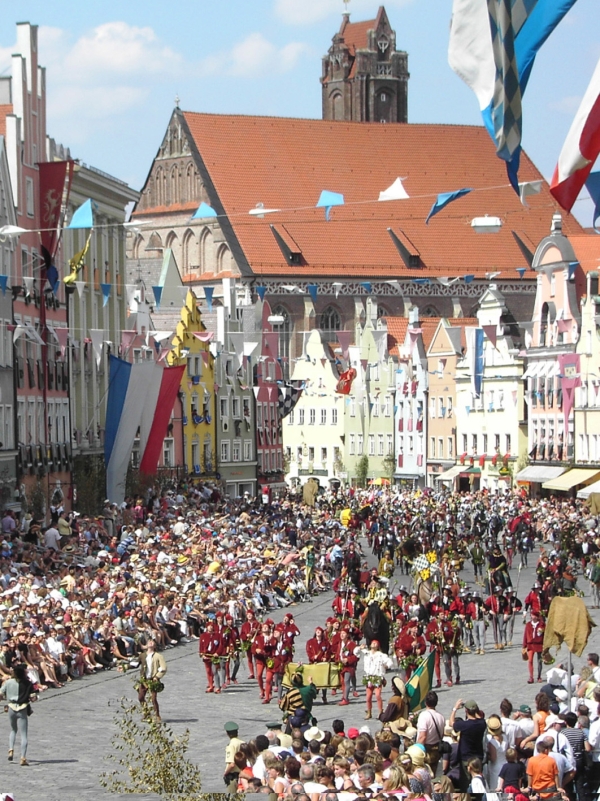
52, 183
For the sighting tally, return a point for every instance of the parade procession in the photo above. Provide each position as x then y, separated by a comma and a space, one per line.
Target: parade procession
300, 438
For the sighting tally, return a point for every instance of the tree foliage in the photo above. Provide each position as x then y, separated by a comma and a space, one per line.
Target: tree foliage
362, 471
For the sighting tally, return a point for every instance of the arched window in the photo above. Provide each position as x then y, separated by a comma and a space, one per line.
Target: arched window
430, 311
174, 185
189, 255
224, 259
382, 311
330, 322
171, 241
284, 330
158, 187
138, 246
206, 251
337, 106
190, 183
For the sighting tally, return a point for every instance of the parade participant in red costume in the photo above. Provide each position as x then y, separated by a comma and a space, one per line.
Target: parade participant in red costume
533, 643
290, 631
409, 647
318, 650
249, 631
343, 653
262, 649
210, 648
281, 655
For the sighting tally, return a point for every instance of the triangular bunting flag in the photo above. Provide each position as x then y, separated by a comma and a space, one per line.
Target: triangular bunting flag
572, 267
528, 188
127, 338
260, 291
366, 285
329, 199
203, 212
208, 294
97, 335
491, 333
394, 192
62, 335
521, 271
468, 279
443, 200
204, 336
337, 285
80, 287
3, 283
313, 290
157, 290
105, 293
83, 217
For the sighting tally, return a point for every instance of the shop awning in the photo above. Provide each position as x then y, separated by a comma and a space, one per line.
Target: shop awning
585, 492
537, 474
450, 474
532, 370
470, 471
574, 477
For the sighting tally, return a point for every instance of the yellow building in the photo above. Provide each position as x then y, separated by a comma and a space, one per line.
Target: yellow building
195, 443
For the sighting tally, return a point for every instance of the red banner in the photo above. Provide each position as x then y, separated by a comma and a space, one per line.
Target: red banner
52, 184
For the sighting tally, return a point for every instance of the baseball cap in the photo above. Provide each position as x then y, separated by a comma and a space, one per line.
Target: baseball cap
471, 706
524, 709
353, 734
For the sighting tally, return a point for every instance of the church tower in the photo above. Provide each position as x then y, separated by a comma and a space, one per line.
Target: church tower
365, 79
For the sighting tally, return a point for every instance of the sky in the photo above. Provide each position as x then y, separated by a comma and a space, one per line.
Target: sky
115, 68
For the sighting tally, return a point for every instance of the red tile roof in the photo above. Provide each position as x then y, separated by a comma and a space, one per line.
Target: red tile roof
285, 163
396, 328
587, 250
355, 34
4, 110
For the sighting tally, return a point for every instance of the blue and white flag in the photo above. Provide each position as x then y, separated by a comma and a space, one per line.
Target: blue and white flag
492, 48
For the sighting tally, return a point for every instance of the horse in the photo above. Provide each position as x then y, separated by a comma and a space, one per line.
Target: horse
376, 626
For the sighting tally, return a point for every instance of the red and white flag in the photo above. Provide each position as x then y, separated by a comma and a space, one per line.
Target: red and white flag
581, 147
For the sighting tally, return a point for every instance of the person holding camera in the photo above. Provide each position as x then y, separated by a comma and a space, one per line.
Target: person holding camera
472, 730
430, 728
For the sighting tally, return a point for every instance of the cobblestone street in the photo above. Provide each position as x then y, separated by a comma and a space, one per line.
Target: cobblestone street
71, 729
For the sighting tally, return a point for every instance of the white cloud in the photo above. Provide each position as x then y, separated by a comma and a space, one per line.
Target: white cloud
566, 105
255, 55
305, 12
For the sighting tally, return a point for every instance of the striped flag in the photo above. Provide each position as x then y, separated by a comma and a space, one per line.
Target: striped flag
139, 396
581, 147
420, 683
492, 48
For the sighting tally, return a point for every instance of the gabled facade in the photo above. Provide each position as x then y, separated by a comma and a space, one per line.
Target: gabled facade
313, 432
236, 415
410, 418
554, 332
269, 435
445, 349
44, 441
8, 405
191, 346
491, 424
369, 411
587, 396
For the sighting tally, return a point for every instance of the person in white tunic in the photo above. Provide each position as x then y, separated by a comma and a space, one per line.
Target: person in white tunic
375, 666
